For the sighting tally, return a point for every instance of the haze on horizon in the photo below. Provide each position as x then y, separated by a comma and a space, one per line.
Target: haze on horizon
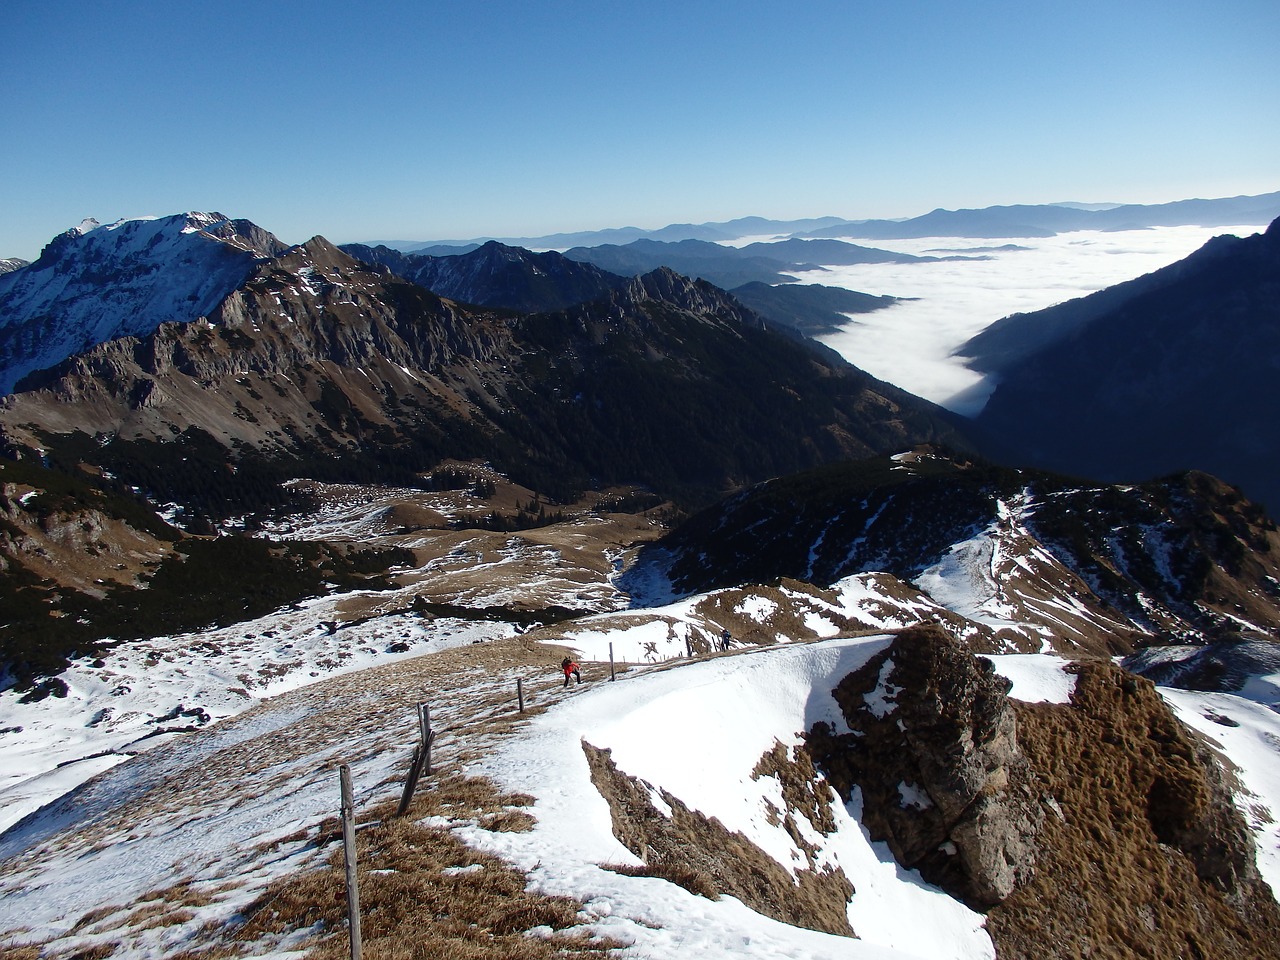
415, 121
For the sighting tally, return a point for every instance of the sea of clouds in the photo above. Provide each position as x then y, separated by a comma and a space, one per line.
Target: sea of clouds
911, 344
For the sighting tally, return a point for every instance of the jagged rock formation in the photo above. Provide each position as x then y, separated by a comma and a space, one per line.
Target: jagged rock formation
1174, 371
496, 275
1102, 827
1080, 567
934, 750
95, 283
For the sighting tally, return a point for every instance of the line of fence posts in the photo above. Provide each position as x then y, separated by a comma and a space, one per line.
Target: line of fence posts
420, 764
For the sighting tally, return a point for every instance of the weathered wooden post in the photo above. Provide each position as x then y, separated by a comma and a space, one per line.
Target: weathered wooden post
427, 737
349, 857
520, 693
611, 676
421, 758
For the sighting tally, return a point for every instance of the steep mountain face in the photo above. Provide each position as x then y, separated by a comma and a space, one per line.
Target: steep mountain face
95, 283
317, 365
1176, 371
495, 275
1038, 559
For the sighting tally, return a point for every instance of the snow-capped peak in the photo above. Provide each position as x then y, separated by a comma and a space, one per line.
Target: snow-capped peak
95, 283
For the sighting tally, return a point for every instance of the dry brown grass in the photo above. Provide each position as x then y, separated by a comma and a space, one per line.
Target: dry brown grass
1141, 863
423, 893
699, 853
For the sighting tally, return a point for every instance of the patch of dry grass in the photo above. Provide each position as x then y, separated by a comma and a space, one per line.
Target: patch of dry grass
701, 854
423, 893
1144, 861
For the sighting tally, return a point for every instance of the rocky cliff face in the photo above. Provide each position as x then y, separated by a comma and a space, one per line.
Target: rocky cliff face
1098, 827
319, 365
1143, 852
95, 283
934, 750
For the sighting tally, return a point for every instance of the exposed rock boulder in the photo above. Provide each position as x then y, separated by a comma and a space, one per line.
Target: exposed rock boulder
934, 749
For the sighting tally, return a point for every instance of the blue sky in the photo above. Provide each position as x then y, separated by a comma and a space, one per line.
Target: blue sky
428, 120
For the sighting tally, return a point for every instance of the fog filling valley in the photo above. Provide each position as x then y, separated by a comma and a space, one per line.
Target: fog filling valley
911, 344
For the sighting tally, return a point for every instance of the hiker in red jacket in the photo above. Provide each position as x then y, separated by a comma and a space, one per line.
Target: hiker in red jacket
570, 670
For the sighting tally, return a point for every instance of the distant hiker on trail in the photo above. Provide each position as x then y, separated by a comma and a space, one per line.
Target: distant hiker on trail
570, 670
726, 639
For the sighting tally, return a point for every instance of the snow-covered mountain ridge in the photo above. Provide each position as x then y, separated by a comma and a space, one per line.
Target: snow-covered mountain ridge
97, 282
1031, 557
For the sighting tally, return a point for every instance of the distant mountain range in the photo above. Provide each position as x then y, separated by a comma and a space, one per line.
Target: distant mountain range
1024, 220
1173, 370
317, 364
731, 267
1047, 220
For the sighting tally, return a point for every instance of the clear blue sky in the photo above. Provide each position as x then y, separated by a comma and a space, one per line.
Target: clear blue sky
432, 120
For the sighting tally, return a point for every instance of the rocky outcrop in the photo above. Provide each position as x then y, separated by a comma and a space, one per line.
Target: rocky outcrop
1145, 853
95, 283
933, 748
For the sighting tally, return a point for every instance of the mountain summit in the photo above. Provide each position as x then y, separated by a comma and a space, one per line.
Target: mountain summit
94, 283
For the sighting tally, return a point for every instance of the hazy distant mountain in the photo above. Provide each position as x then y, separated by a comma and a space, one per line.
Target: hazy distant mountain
730, 267
95, 283
495, 275
10, 265
811, 308
724, 230
1175, 371
1045, 220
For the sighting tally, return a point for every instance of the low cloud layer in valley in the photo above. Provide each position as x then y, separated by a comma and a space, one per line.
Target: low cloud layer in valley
911, 343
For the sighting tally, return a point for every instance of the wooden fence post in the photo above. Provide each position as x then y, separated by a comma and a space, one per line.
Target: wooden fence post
520, 694
421, 758
349, 857
611, 676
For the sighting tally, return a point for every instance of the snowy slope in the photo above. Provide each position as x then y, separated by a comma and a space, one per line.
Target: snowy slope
98, 282
697, 732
